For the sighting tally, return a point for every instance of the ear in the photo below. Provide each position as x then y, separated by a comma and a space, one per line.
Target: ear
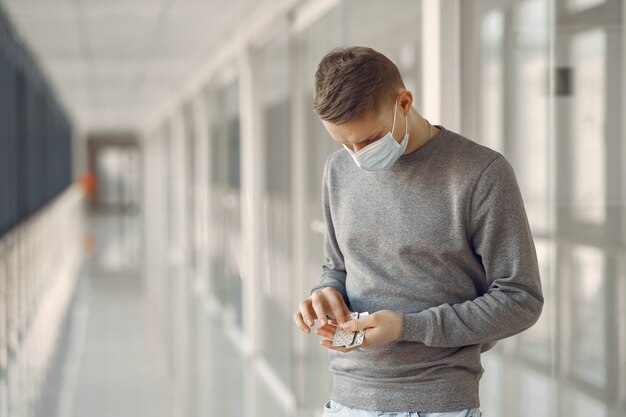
405, 101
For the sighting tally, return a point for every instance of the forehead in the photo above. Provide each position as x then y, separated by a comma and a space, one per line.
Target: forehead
354, 131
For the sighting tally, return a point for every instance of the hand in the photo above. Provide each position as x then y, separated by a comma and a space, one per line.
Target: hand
381, 327
327, 301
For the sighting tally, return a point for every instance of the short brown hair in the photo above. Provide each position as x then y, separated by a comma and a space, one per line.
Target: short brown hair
351, 81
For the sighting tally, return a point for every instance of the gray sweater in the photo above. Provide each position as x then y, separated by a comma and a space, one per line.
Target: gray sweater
442, 238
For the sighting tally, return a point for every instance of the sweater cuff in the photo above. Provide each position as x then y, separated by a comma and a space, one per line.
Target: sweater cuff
415, 327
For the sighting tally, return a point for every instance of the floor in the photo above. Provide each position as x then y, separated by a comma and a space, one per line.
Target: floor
105, 364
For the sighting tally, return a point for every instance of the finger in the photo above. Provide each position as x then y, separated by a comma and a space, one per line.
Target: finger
337, 306
328, 328
301, 325
346, 313
328, 344
358, 324
318, 300
307, 312
326, 333
351, 325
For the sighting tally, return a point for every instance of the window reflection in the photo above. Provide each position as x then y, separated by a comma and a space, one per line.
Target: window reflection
587, 314
536, 397
538, 86
579, 5
272, 63
530, 108
225, 212
491, 80
579, 404
588, 126
492, 383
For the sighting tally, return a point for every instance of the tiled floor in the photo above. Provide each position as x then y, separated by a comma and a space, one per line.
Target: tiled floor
105, 363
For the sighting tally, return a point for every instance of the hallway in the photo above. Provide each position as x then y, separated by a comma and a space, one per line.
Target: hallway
171, 194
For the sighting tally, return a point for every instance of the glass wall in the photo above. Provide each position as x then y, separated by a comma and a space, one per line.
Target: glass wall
276, 205
225, 213
541, 81
217, 353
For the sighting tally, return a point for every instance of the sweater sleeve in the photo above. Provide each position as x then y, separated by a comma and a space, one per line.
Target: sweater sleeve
502, 240
333, 270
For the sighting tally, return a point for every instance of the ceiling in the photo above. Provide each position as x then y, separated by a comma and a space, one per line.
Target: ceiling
113, 61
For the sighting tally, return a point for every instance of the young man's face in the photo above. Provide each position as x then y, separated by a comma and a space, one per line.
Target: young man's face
357, 134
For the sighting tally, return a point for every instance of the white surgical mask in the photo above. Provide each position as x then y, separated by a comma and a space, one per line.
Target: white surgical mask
383, 153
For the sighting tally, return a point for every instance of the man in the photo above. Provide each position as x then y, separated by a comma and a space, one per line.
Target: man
426, 230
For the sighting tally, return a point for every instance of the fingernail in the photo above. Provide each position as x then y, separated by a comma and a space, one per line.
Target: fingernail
345, 326
309, 322
323, 321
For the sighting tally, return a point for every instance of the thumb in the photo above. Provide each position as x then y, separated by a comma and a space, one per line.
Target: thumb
358, 324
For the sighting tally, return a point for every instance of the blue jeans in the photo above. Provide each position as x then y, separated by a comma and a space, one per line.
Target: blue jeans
334, 409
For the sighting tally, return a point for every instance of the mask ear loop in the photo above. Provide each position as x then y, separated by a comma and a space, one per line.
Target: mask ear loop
406, 125
393, 126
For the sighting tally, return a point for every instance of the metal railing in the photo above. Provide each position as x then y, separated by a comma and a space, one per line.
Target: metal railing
40, 260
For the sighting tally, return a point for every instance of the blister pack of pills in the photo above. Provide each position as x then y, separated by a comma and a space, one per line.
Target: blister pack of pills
350, 339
